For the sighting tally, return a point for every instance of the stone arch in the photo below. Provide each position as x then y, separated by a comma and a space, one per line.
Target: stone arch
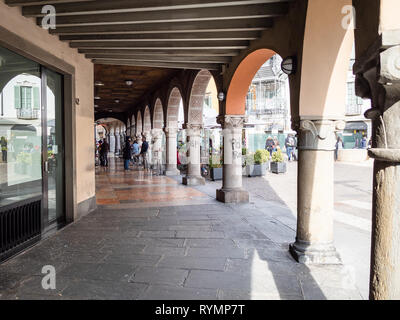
242, 78
327, 50
196, 100
146, 120
158, 115
174, 100
139, 123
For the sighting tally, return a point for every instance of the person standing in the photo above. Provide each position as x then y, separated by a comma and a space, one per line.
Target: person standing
127, 154
3, 143
289, 145
339, 146
143, 153
104, 153
269, 145
136, 152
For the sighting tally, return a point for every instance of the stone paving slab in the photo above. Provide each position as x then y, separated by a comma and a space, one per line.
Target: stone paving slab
239, 255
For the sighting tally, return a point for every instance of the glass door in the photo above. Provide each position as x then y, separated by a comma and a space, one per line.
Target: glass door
53, 146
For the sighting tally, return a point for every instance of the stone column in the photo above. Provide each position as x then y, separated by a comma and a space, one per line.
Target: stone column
156, 149
193, 175
112, 142
139, 139
378, 78
117, 143
171, 137
232, 190
315, 189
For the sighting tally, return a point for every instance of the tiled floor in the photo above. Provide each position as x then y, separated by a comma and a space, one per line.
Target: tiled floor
139, 188
152, 238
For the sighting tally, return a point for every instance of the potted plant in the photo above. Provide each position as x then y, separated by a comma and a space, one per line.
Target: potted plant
216, 171
278, 165
259, 165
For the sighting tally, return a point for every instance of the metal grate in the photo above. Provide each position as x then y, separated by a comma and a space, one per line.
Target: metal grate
20, 225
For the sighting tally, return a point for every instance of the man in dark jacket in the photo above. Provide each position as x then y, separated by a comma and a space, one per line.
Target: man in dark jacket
127, 153
143, 153
103, 152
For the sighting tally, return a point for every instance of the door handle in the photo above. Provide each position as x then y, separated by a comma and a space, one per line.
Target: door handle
46, 166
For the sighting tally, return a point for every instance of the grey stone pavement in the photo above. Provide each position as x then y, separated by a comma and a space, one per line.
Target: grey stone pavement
203, 251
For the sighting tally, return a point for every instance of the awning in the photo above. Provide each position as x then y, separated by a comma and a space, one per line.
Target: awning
356, 125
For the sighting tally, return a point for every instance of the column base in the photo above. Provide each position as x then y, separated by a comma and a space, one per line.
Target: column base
233, 196
172, 172
193, 181
305, 253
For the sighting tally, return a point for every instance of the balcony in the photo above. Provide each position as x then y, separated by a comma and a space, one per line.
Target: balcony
27, 114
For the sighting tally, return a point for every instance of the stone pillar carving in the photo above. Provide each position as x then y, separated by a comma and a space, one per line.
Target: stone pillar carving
171, 137
193, 174
232, 191
378, 78
315, 205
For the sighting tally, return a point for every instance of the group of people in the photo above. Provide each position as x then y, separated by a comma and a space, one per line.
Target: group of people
131, 152
272, 145
134, 153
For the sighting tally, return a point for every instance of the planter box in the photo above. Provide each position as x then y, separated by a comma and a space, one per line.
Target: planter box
278, 167
216, 174
256, 170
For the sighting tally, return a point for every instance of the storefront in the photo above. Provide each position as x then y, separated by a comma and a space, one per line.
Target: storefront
32, 166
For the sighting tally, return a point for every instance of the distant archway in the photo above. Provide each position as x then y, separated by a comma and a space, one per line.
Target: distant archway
158, 116
147, 120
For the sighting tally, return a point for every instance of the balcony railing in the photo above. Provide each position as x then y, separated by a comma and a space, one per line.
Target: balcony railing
27, 114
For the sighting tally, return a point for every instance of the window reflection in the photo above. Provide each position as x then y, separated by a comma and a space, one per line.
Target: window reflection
20, 128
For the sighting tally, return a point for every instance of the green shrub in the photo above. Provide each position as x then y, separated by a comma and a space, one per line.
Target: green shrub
249, 159
244, 151
261, 156
215, 161
277, 156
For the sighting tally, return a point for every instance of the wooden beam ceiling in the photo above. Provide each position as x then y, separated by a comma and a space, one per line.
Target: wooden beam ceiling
156, 34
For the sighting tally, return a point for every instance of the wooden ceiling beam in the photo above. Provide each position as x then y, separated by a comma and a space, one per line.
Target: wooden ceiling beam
120, 6
155, 64
200, 14
162, 53
240, 35
121, 57
178, 27
163, 45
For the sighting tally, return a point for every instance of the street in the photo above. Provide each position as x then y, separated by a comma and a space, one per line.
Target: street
352, 217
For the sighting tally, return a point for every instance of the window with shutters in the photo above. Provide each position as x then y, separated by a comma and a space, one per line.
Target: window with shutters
27, 102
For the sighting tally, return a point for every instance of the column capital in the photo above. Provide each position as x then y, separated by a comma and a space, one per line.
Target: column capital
378, 78
193, 129
232, 121
319, 134
146, 135
169, 132
156, 133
